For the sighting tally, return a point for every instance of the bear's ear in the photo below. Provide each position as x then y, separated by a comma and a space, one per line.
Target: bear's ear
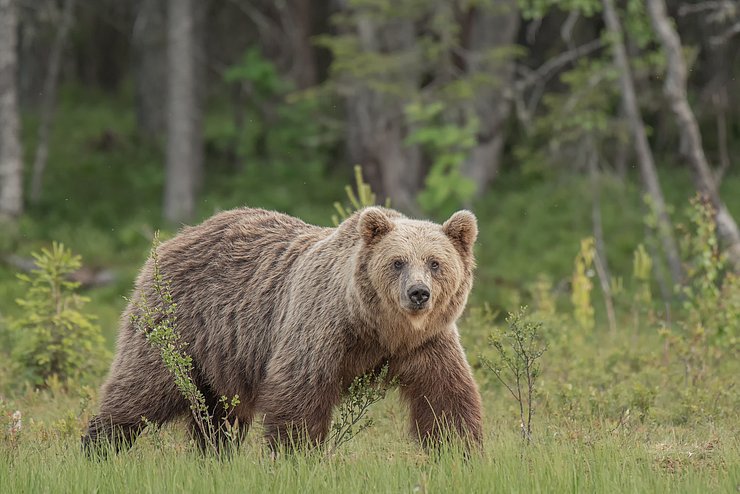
462, 229
374, 224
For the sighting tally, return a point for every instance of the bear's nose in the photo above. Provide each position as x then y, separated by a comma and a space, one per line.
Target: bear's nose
418, 294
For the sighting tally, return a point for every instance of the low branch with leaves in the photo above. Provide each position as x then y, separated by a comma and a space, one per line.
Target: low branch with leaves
365, 391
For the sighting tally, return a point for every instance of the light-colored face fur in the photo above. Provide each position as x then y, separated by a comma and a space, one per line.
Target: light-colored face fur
421, 271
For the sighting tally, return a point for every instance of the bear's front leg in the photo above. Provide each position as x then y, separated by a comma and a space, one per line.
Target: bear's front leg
443, 397
297, 402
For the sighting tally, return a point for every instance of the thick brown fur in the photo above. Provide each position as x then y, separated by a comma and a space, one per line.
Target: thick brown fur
286, 314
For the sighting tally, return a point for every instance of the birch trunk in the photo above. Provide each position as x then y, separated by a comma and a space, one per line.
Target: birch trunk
642, 148
11, 164
184, 140
675, 91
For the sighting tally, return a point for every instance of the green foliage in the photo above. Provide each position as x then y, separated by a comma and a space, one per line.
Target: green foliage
261, 74
438, 117
583, 112
53, 336
637, 23
711, 295
519, 348
705, 265
352, 419
157, 321
581, 285
450, 145
365, 197
710, 326
536, 9
283, 125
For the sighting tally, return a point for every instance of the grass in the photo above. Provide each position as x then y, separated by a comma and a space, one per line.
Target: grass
614, 414
584, 458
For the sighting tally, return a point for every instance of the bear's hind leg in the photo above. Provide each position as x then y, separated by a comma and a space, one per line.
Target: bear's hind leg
103, 433
297, 416
226, 428
134, 394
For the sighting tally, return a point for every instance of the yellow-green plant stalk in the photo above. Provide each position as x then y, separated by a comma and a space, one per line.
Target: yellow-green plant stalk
583, 311
363, 198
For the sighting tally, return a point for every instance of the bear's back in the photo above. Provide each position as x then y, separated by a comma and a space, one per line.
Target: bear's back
228, 276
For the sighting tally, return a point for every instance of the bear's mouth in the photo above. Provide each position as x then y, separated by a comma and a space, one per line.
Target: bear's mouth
415, 308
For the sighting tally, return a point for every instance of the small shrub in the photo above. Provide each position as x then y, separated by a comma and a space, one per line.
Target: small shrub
54, 337
710, 306
518, 348
352, 419
708, 281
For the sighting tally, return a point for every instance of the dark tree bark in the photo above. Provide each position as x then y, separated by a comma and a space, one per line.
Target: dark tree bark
284, 30
184, 137
492, 27
297, 20
48, 106
149, 40
675, 91
375, 124
11, 164
642, 148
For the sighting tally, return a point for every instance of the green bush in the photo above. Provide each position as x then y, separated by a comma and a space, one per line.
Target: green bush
53, 336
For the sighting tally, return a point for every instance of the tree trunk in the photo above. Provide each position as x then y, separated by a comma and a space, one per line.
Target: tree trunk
376, 126
642, 148
48, 106
184, 139
494, 26
149, 40
675, 91
11, 164
297, 21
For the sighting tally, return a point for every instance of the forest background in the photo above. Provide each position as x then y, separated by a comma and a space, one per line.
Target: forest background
595, 140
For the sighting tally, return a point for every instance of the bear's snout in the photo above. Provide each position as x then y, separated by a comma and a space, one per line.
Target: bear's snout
418, 295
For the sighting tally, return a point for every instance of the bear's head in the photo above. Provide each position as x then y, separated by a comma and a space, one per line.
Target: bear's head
421, 272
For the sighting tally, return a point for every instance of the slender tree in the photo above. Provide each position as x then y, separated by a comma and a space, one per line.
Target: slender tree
184, 138
642, 148
675, 91
11, 165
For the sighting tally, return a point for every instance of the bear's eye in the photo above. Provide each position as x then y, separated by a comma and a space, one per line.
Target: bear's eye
434, 265
398, 264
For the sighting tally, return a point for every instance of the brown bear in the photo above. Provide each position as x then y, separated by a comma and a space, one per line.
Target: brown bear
286, 315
